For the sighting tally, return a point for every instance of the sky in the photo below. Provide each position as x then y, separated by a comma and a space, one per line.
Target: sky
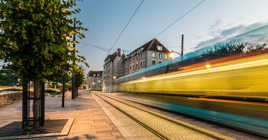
212, 21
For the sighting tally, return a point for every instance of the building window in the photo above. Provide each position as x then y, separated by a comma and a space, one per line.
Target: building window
153, 62
153, 54
160, 62
160, 55
159, 48
165, 56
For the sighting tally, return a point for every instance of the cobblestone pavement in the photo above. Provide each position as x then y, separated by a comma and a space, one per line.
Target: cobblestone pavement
90, 122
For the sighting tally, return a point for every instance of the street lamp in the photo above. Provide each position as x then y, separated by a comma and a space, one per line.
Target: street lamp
93, 83
173, 54
208, 66
114, 77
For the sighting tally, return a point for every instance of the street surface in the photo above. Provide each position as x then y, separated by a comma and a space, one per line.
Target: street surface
96, 119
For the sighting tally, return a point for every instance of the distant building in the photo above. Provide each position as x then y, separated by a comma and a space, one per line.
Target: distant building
151, 53
95, 80
112, 70
117, 64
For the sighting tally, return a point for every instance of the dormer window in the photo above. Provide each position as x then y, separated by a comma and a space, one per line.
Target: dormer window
159, 48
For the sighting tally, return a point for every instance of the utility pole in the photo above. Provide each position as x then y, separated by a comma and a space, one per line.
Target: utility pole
74, 94
182, 46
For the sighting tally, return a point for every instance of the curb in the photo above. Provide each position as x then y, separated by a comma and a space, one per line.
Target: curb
65, 131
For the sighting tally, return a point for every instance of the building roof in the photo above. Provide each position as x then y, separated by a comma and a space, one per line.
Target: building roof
111, 57
91, 73
151, 45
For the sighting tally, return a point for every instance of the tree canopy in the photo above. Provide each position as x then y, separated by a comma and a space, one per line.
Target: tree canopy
35, 36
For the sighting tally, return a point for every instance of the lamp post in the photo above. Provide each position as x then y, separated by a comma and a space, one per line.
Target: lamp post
173, 54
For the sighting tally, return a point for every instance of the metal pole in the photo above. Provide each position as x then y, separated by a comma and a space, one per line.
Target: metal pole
182, 45
42, 122
25, 103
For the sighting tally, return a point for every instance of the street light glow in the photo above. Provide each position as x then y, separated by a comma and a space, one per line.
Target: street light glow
208, 66
172, 55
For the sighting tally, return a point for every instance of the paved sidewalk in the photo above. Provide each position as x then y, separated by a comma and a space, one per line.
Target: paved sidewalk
90, 120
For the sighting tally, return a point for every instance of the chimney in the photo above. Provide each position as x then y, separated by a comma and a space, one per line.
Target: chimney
118, 52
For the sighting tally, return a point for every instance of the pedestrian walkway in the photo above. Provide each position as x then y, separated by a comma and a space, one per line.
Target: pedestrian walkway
90, 121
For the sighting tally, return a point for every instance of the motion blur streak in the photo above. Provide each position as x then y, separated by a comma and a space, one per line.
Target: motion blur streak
246, 77
229, 101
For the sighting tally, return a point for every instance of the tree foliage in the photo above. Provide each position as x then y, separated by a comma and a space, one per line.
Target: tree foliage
79, 76
35, 36
7, 78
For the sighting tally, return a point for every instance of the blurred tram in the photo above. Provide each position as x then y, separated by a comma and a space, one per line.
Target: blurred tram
225, 82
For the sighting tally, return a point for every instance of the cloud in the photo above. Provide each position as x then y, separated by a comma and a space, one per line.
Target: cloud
220, 31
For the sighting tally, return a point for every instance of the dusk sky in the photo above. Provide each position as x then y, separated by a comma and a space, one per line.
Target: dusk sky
213, 20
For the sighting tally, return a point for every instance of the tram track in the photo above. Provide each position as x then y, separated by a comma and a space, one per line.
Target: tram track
160, 125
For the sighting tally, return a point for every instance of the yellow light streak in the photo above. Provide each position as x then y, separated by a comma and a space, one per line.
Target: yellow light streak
256, 63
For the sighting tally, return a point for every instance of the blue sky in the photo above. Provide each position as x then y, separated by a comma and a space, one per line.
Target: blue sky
213, 20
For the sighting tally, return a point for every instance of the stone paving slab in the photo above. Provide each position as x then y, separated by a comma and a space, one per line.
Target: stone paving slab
90, 121
128, 127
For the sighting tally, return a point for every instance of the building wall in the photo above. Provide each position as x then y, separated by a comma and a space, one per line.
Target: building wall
95, 81
107, 77
117, 65
154, 57
112, 70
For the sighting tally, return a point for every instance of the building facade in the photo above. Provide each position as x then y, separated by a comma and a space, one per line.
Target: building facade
149, 54
117, 64
95, 80
112, 70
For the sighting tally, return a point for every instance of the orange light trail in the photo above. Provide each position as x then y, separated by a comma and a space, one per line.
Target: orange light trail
229, 101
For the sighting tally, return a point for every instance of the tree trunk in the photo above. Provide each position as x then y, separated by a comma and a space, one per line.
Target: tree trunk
37, 104
25, 103
73, 86
42, 121
63, 91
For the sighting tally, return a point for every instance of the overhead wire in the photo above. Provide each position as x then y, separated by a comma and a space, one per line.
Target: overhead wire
161, 32
180, 18
125, 27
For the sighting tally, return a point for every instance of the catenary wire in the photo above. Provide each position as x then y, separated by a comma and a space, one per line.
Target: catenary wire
125, 27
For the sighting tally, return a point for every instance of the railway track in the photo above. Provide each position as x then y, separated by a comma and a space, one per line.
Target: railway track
160, 125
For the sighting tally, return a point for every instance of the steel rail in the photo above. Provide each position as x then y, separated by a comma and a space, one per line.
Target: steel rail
163, 117
136, 120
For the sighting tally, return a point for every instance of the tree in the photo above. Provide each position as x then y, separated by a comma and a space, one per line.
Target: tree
7, 78
79, 76
35, 40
